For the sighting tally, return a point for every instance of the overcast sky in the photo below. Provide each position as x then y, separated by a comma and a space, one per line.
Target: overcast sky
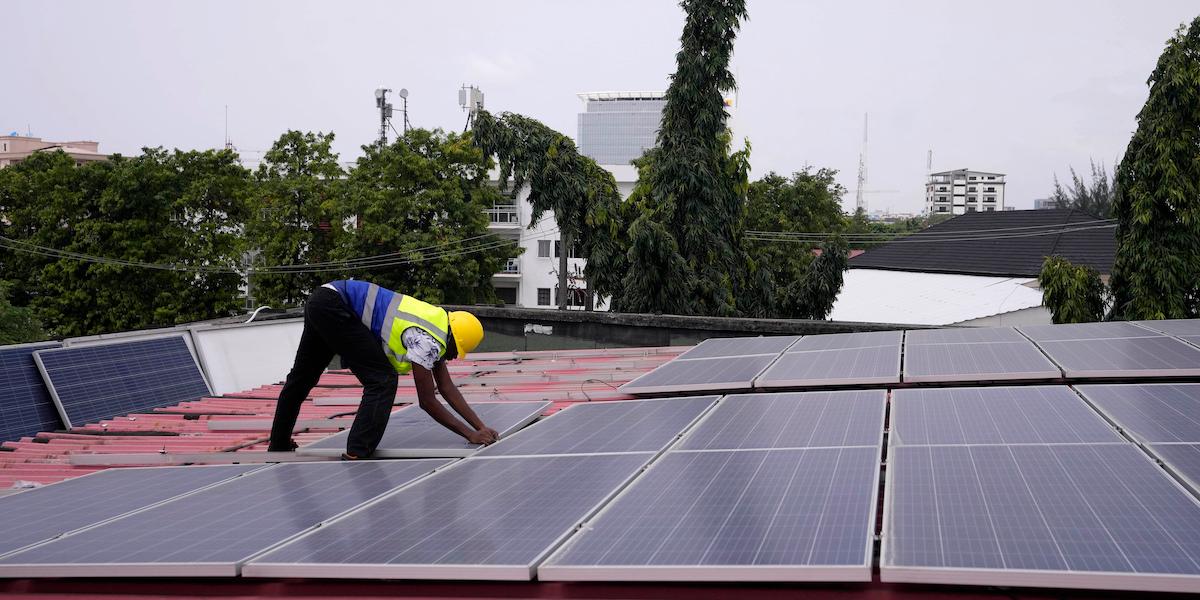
1023, 87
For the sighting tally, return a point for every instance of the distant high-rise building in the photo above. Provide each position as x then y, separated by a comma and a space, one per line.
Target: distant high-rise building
618, 127
963, 190
1044, 203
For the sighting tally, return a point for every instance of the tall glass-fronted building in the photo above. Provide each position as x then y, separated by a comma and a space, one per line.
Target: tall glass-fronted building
618, 127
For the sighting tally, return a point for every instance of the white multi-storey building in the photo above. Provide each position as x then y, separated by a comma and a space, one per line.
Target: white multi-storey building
963, 190
531, 279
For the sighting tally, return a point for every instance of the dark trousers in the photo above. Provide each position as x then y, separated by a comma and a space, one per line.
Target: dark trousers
330, 328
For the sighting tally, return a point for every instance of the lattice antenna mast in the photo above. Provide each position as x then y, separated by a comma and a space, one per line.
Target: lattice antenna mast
860, 200
385, 114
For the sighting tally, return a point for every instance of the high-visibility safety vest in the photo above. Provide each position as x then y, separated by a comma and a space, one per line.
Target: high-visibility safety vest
387, 314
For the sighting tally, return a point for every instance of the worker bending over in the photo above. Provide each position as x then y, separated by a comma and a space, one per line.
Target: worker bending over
379, 333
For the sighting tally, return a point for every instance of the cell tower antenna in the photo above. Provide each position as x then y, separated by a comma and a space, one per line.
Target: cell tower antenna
860, 201
470, 98
385, 114
228, 142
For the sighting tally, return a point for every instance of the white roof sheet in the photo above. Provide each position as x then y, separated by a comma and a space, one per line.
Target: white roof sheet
879, 296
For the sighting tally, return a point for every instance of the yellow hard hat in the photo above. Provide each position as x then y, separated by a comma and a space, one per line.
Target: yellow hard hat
467, 330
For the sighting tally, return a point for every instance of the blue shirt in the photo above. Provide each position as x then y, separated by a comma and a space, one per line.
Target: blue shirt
354, 292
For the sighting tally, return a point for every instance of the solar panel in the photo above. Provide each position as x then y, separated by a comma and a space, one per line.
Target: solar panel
47, 512
962, 335
214, 531
701, 375
1176, 327
483, 518
1183, 459
843, 341
1152, 413
25, 406
1085, 331
743, 346
853, 366
1120, 357
1082, 516
412, 433
791, 420
1191, 339
995, 415
759, 515
621, 426
981, 361
93, 383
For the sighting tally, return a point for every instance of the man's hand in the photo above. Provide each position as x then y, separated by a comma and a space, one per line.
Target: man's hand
483, 436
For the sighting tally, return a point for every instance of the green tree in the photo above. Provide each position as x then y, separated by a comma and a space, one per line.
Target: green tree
1094, 198
18, 325
180, 211
1158, 193
695, 186
1074, 294
421, 202
581, 195
293, 216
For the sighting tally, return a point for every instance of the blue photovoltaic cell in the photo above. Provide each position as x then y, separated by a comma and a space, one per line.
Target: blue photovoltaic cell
792, 420
625, 426
25, 406
1153, 413
717, 511
1058, 515
411, 432
701, 375
983, 361
870, 365
483, 518
46, 512
995, 415
1125, 357
1184, 459
744, 346
843, 341
93, 383
1175, 327
212, 531
962, 335
1085, 331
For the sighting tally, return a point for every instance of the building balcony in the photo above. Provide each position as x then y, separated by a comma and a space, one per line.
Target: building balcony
503, 216
511, 270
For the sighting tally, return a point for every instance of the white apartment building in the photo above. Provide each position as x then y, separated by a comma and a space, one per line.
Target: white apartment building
531, 279
962, 191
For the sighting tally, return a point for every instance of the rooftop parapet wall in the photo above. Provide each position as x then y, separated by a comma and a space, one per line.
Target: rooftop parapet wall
511, 328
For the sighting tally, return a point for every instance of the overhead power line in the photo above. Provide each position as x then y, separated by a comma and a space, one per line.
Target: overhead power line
922, 239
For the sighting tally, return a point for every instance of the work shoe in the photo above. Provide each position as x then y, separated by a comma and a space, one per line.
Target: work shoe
291, 446
346, 456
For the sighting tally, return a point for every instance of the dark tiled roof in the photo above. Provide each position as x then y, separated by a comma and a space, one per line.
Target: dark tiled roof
1009, 243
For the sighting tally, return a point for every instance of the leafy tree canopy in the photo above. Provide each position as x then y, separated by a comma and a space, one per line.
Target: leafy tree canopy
1094, 198
1157, 203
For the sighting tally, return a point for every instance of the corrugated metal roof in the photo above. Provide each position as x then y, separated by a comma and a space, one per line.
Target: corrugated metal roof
929, 298
1009, 243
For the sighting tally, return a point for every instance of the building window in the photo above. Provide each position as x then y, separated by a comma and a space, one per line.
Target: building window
989, 198
970, 209
991, 178
973, 178
942, 209
989, 189
943, 199
972, 189
544, 249
990, 209
942, 188
543, 296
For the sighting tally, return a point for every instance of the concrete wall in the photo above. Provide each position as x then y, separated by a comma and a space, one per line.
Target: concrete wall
509, 328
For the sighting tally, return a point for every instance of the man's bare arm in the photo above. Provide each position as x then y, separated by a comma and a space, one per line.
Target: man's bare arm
445, 385
427, 398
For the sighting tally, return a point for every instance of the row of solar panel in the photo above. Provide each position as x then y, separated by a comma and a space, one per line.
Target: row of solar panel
1000, 486
46, 387
1044, 353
